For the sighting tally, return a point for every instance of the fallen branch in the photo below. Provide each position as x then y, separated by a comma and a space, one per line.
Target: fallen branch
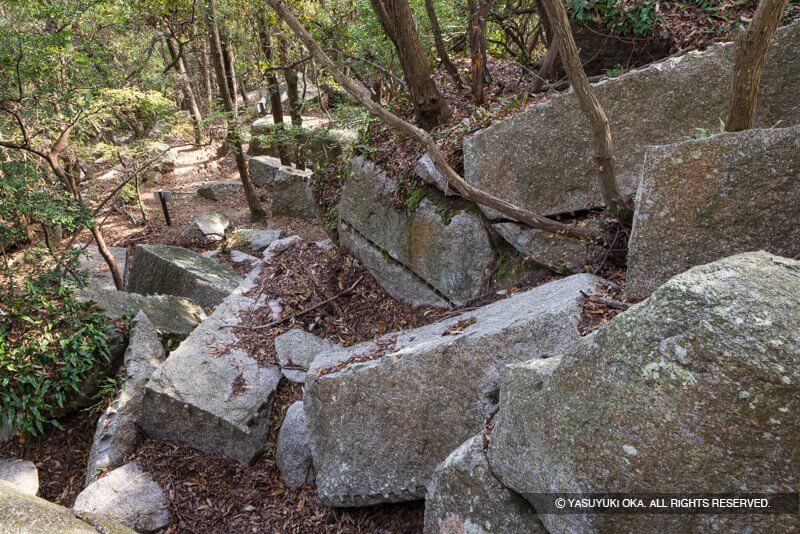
605, 301
466, 190
302, 312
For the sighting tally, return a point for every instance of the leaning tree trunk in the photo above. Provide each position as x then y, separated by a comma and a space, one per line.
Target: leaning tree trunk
548, 66
750, 54
479, 11
275, 105
229, 102
430, 107
466, 190
590, 105
186, 89
441, 49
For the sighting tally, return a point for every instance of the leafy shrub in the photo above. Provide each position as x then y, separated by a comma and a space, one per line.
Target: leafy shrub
49, 344
623, 18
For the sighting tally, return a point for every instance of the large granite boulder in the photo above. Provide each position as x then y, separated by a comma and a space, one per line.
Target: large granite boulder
174, 317
28, 514
697, 389
220, 190
208, 227
129, 496
293, 449
292, 195
702, 200
255, 239
210, 393
117, 433
168, 270
446, 251
21, 474
465, 496
263, 169
383, 414
515, 158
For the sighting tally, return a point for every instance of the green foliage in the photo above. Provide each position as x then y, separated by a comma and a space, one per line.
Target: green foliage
414, 198
623, 19
49, 343
131, 108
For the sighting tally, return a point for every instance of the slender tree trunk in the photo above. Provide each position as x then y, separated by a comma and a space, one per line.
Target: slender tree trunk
205, 73
548, 65
292, 91
430, 107
228, 101
186, 88
479, 11
441, 49
229, 65
275, 105
750, 54
590, 105
469, 192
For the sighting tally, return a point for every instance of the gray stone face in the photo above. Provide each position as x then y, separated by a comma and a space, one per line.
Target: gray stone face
292, 195
426, 170
21, 474
380, 427
296, 350
167, 270
694, 390
263, 169
465, 496
211, 394
173, 317
128, 496
255, 240
702, 200
452, 256
395, 278
221, 190
208, 226
27, 514
279, 245
293, 454
560, 254
98, 273
525, 160
117, 434
240, 257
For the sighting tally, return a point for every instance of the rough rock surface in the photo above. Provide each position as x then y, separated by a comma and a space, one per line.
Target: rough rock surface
702, 200
292, 195
98, 273
465, 496
426, 170
296, 350
167, 270
451, 254
558, 253
27, 514
393, 276
293, 454
238, 256
279, 245
128, 496
211, 394
117, 433
514, 159
220, 190
263, 169
381, 425
21, 474
694, 390
208, 226
173, 317
255, 240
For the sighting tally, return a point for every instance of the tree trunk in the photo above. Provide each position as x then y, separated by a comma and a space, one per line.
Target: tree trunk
479, 10
228, 101
229, 65
548, 65
430, 107
441, 49
205, 73
469, 192
750, 54
292, 91
275, 105
590, 105
186, 89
